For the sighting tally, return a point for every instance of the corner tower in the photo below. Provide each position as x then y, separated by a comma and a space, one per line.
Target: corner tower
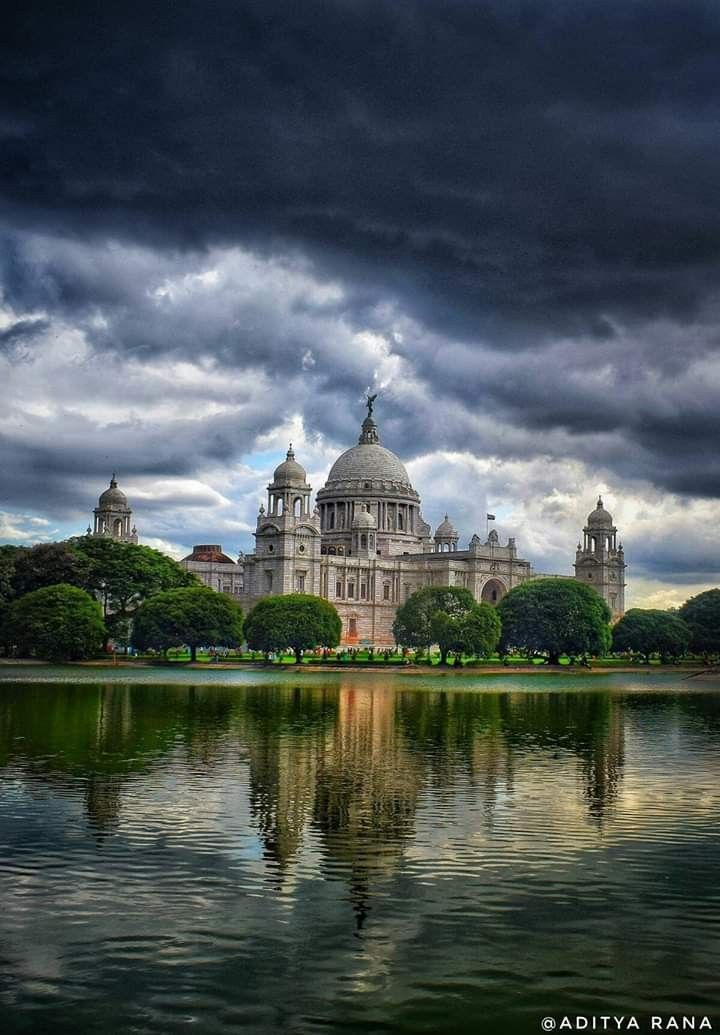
600, 561
287, 551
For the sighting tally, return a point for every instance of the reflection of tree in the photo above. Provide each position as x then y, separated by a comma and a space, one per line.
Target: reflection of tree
487, 738
105, 733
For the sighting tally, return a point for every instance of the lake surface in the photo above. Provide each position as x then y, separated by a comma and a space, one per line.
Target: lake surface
355, 852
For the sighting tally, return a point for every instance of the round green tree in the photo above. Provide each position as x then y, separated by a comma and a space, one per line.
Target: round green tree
195, 616
554, 617
702, 614
648, 632
475, 631
298, 620
418, 622
57, 623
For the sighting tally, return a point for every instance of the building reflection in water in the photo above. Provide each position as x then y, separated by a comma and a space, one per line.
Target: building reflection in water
342, 769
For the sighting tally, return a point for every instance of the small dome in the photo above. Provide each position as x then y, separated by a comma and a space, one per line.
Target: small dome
112, 497
446, 530
290, 472
209, 552
364, 519
600, 518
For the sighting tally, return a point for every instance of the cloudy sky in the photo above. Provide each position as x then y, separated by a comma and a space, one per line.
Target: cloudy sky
223, 221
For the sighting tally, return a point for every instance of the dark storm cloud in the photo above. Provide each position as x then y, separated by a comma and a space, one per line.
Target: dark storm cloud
528, 192
533, 164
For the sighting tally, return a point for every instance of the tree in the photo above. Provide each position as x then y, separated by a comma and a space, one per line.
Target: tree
195, 615
124, 575
49, 564
299, 621
702, 614
475, 631
413, 625
58, 623
8, 559
648, 632
554, 617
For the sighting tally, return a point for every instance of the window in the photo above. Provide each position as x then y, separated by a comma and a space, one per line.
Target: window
386, 591
363, 541
301, 549
331, 519
363, 591
351, 590
268, 581
338, 589
300, 582
352, 627
270, 548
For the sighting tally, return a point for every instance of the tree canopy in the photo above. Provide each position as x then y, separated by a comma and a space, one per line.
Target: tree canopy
702, 614
57, 623
648, 632
124, 575
195, 616
475, 631
299, 621
554, 617
413, 625
48, 564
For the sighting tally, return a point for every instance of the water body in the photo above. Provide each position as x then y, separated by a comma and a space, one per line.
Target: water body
355, 852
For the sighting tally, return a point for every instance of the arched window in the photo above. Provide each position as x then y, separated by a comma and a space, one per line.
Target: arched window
297, 507
363, 542
400, 520
118, 526
278, 506
331, 519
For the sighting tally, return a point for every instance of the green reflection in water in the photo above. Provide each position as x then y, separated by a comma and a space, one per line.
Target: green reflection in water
355, 855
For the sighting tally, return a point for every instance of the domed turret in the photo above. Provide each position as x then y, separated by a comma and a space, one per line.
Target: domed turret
363, 533
600, 518
288, 492
289, 472
446, 537
112, 497
112, 515
364, 519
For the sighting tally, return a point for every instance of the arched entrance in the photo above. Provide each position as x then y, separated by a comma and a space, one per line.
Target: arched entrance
492, 592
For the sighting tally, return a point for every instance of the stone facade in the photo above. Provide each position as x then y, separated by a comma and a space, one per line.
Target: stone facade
112, 516
600, 560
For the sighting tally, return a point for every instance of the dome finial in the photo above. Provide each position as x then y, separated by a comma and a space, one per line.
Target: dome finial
290, 455
369, 434
113, 481
600, 502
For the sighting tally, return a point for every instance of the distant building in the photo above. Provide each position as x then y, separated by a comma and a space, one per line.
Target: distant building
366, 547
112, 516
600, 560
215, 569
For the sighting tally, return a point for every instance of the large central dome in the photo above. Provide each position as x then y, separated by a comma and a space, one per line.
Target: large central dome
368, 462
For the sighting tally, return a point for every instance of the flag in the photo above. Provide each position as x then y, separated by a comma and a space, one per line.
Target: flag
490, 517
